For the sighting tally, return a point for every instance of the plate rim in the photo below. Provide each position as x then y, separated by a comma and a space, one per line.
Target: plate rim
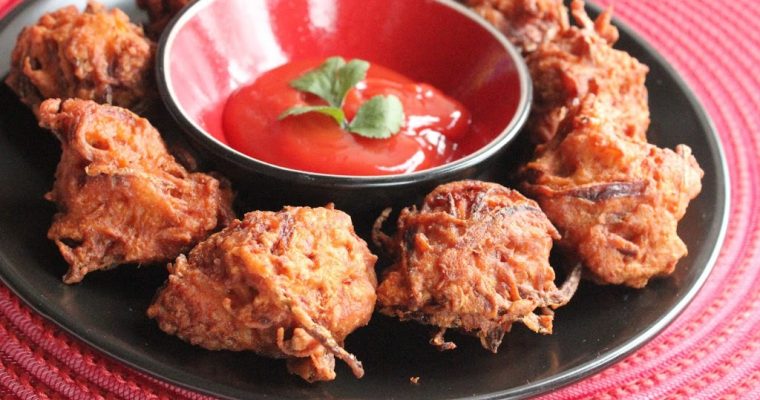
544, 385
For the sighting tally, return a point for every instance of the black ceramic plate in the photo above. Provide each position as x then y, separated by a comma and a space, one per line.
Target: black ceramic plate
600, 325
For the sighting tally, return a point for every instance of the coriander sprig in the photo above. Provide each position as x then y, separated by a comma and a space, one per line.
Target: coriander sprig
379, 117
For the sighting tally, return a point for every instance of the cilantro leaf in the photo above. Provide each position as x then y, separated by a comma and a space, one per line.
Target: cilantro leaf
320, 81
378, 118
347, 77
334, 112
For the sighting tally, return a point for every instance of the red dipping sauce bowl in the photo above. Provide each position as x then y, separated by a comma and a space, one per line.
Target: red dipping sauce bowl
215, 47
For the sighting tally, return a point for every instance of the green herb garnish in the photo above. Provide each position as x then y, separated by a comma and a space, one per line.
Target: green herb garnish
379, 117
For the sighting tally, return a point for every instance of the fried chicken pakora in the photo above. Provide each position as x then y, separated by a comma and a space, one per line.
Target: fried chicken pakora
290, 284
93, 55
160, 13
615, 200
475, 257
122, 198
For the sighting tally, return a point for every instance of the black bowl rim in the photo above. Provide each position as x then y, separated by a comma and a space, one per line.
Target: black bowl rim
300, 177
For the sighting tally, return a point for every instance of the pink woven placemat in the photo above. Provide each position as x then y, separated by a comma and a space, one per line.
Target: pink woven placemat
711, 351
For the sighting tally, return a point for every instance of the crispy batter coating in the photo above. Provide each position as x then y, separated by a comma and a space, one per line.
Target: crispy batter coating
568, 62
616, 200
526, 23
289, 284
580, 61
121, 197
94, 55
160, 13
475, 257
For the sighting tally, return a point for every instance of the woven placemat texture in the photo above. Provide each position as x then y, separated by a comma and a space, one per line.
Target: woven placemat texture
711, 351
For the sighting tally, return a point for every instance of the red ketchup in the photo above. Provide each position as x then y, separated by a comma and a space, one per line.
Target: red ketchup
314, 142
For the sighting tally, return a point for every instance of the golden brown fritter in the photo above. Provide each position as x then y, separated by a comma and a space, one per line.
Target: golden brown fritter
580, 61
289, 284
160, 13
526, 23
615, 200
475, 257
121, 197
94, 55
568, 62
